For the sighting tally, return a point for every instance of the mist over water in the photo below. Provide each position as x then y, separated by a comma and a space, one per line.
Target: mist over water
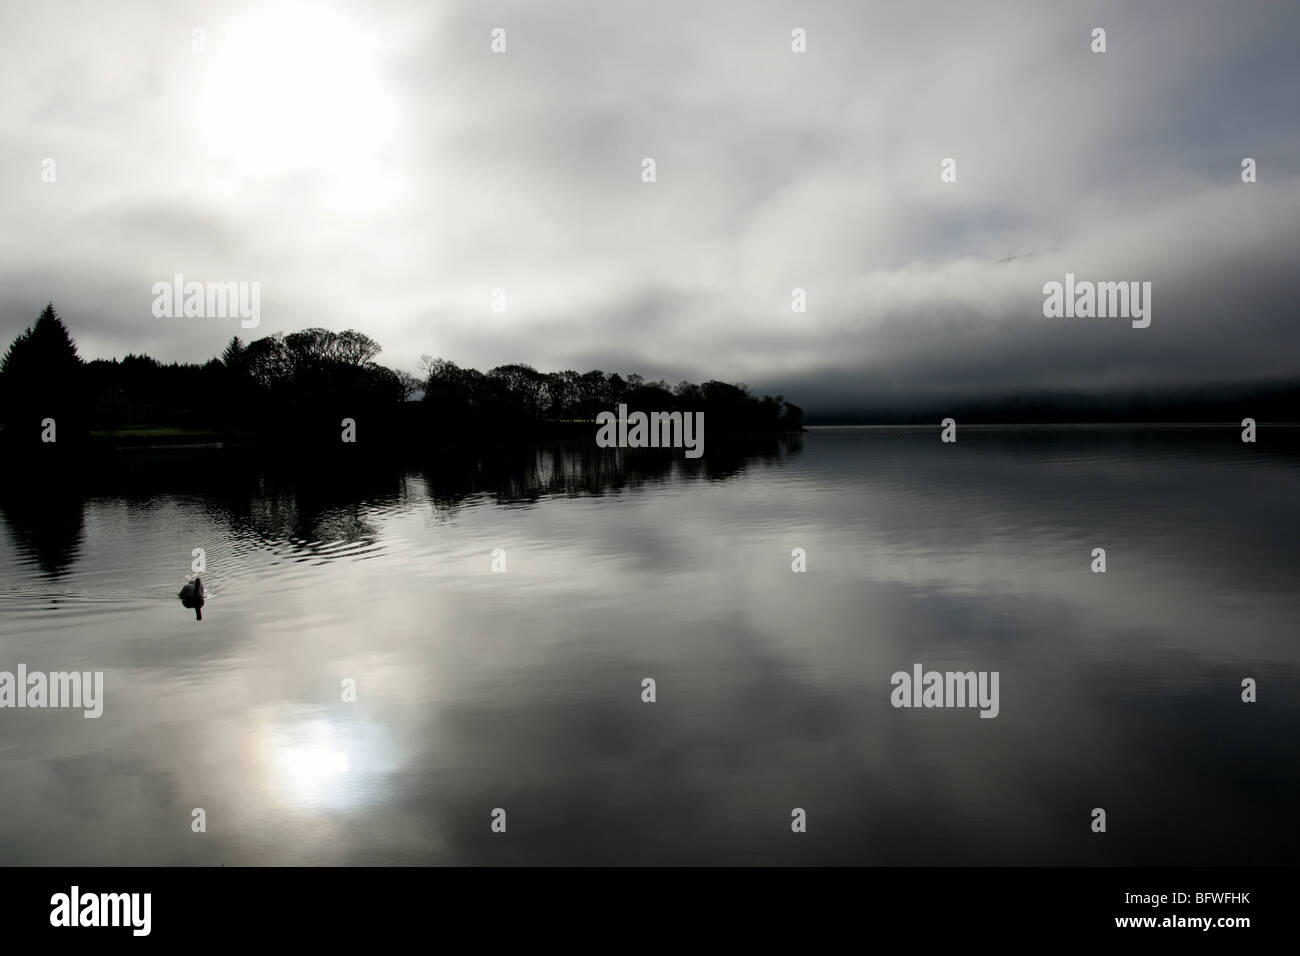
522, 690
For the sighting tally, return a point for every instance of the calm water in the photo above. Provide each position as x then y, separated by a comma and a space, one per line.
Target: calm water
522, 690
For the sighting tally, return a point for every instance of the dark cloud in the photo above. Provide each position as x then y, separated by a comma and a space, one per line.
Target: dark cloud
775, 170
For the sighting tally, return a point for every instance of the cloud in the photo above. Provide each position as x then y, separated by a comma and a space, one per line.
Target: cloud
776, 170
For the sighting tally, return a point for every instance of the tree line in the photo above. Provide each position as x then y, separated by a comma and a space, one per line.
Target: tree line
299, 386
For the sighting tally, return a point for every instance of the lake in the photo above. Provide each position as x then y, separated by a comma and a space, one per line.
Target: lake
521, 689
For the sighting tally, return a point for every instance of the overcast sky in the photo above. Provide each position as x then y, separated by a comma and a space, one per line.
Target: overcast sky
374, 165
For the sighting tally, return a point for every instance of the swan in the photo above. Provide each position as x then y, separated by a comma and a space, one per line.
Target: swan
192, 596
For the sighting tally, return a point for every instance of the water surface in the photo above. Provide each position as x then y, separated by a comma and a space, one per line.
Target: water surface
522, 690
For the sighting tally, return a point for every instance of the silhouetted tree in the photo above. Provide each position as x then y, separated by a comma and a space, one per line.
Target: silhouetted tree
267, 362
41, 377
300, 386
409, 385
234, 354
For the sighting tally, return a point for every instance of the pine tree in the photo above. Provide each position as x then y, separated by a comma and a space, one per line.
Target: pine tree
52, 341
233, 357
40, 375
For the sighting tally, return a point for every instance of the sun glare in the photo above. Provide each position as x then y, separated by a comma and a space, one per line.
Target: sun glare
315, 763
296, 87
